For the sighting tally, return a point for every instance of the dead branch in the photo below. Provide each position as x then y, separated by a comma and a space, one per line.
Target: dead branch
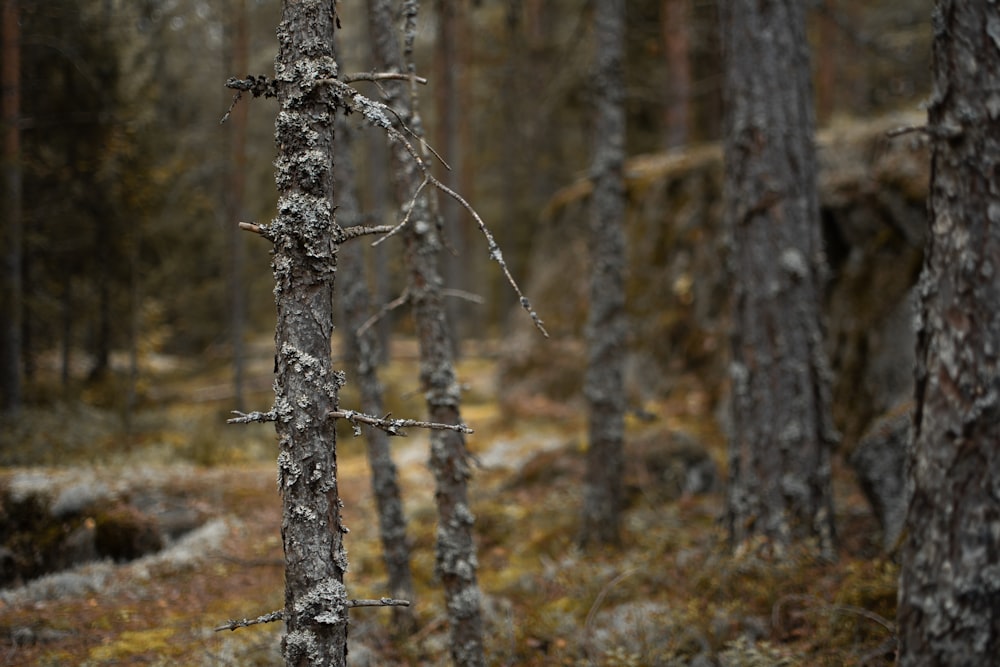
381, 602
376, 114
934, 131
385, 310
406, 218
251, 417
362, 230
823, 606
393, 426
463, 294
254, 228
247, 622
381, 76
279, 614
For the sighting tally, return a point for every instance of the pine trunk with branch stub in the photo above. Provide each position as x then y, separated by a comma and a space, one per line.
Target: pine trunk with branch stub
604, 385
306, 385
363, 351
782, 432
456, 551
949, 611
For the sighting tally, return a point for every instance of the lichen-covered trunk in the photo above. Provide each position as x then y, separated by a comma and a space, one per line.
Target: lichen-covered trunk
949, 595
456, 562
364, 353
306, 386
782, 433
604, 385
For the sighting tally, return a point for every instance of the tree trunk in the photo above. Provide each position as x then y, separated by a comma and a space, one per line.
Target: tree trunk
675, 17
782, 433
604, 385
12, 292
949, 611
364, 354
456, 552
307, 387
235, 185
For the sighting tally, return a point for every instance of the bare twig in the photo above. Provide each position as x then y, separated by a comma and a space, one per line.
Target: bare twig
362, 230
935, 131
251, 417
385, 310
247, 622
381, 602
229, 111
376, 114
279, 614
462, 294
252, 227
381, 76
406, 218
393, 426
822, 605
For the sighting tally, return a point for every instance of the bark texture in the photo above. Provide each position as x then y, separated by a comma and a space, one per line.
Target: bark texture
363, 350
304, 234
604, 385
782, 433
456, 562
949, 610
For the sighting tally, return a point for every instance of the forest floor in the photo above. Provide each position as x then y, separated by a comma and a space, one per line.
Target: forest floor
673, 594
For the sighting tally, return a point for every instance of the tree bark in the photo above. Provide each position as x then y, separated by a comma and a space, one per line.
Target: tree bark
604, 385
456, 552
364, 354
782, 432
306, 386
949, 610
11, 299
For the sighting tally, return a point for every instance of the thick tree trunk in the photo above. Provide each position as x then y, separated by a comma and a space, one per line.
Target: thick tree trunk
456, 551
782, 434
306, 387
11, 294
604, 385
363, 351
949, 610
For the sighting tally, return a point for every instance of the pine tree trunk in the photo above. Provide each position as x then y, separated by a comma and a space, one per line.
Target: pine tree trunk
949, 611
456, 552
675, 18
782, 434
604, 385
11, 294
364, 354
306, 387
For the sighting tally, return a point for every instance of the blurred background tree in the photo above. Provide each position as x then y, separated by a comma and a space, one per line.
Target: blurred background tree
124, 161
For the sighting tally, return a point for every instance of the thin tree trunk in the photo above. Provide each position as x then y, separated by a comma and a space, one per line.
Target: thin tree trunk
306, 386
675, 18
12, 293
782, 433
233, 198
456, 552
451, 144
364, 354
604, 385
949, 602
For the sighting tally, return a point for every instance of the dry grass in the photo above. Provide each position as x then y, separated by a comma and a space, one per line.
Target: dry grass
672, 595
